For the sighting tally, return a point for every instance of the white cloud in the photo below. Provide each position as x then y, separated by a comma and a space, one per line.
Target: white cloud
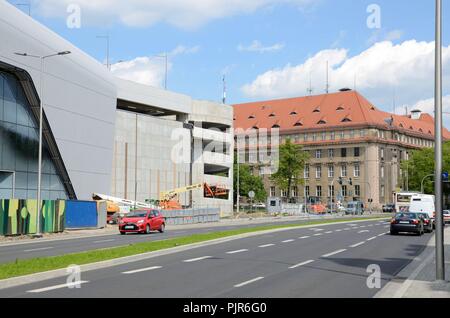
181, 49
141, 13
143, 70
384, 35
427, 106
256, 46
408, 67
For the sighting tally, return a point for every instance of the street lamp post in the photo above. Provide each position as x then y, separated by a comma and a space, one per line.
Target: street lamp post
440, 260
41, 115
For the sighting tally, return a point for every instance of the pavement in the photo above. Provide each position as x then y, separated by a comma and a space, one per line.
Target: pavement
417, 280
331, 260
85, 240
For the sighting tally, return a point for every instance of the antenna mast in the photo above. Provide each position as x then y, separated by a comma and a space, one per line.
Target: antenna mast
327, 88
224, 96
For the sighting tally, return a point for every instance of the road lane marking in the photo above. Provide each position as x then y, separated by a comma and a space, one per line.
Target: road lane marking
287, 241
328, 232
362, 226
39, 249
142, 270
248, 282
304, 237
104, 241
67, 285
318, 234
347, 229
339, 230
302, 264
316, 230
267, 245
363, 231
334, 253
357, 244
237, 251
372, 238
352, 224
196, 259
382, 234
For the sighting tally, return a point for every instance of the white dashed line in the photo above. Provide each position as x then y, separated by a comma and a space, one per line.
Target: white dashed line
39, 249
67, 285
334, 253
339, 230
318, 234
329, 232
316, 230
267, 245
357, 244
304, 237
302, 264
287, 241
142, 270
237, 251
248, 282
196, 259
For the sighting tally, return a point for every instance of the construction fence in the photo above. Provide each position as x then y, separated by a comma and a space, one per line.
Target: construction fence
192, 216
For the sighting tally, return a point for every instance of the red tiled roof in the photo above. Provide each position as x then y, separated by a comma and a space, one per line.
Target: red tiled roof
341, 109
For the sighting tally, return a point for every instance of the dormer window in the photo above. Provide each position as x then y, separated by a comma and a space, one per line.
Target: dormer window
317, 110
251, 117
272, 115
429, 131
321, 122
346, 120
293, 113
421, 130
340, 108
255, 127
298, 124
401, 125
276, 126
411, 127
372, 108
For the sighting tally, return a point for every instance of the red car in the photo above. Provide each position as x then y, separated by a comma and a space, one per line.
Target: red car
142, 221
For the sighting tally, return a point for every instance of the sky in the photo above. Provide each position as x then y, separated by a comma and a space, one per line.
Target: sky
266, 49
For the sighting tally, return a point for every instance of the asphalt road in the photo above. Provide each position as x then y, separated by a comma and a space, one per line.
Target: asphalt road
9, 253
327, 261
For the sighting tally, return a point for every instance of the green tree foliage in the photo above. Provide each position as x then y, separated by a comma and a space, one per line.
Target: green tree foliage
248, 182
292, 162
421, 164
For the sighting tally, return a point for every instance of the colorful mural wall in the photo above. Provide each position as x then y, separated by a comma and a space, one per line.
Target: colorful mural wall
19, 216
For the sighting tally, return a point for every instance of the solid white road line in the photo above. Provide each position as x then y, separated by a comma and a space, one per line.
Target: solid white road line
382, 234
142, 270
237, 251
67, 285
267, 245
196, 259
249, 282
302, 264
334, 253
104, 241
39, 249
357, 244
372, 238
304, 237
287, 241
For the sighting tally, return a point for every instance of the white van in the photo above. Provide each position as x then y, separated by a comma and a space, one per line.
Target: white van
422, 203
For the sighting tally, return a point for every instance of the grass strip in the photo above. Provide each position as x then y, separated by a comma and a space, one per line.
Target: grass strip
42, 264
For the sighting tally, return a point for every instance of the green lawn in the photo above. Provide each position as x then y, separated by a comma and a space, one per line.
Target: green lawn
36, 265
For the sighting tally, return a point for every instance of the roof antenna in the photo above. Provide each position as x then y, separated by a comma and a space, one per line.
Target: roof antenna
327, 88
394, 101
224, 96
310, 89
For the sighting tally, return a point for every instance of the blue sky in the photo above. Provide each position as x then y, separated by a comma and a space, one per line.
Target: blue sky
267, 48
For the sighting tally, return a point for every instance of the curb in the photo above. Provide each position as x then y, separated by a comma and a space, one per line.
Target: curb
37, 277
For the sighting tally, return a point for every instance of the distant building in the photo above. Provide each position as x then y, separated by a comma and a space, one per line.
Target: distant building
347, 137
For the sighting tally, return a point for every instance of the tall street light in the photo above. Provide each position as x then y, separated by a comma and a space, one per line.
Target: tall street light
106, 37
440, 260
41, 114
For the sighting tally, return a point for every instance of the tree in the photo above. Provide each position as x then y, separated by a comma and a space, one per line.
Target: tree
248, 182
291, 164
421, 164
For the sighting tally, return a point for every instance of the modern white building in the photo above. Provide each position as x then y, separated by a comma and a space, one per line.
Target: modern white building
101, 134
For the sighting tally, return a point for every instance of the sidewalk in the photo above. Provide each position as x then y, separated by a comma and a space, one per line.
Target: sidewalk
417, 280
112, 229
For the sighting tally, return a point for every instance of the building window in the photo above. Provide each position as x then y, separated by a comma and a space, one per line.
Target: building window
319, 191
356, 152
342, 134
344, 190
318, 154
318, 172
357, 190
307, 193
331, 191
272, 192
305, 137
357, 171
330, 171
324, 136
295, 192
330, 153
382, 153
332, 135
283, 193
352, 134
344, 171
362, 132
382, 191
314, 137
344, 152
382, 172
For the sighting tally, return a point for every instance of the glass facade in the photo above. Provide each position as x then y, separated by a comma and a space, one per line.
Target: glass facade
19, 145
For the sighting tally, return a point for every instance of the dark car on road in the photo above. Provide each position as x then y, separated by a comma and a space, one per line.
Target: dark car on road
389, 208
427, 222
407, 222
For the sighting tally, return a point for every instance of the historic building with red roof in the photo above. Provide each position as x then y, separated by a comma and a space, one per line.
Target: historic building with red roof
347, 137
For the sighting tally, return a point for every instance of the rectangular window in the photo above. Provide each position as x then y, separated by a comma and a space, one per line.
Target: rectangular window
357, 190
330, 153
318, 172
332, 135
306, 174
344, 152
362, 132
305, 137
356, 152
307, 193
344, 190
295, 192
382, 172
324, 136
318, 154
344, 171
352, 134
357, 171
382, 153
272, 191
314, 137
283, 193
330, 171
331, 191
319, 191
342, 134
382, 191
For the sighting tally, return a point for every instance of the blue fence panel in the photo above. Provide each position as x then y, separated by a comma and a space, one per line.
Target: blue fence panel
81, 214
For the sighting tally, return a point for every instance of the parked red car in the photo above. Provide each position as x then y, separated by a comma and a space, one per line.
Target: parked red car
142, 221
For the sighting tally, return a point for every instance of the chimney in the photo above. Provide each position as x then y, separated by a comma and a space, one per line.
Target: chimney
415, 114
